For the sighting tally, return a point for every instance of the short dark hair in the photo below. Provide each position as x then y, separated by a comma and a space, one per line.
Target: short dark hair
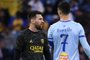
33, 15
64, 7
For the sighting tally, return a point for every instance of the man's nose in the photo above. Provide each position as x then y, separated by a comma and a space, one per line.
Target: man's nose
42, 21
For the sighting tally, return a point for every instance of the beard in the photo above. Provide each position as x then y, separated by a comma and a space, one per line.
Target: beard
39, 27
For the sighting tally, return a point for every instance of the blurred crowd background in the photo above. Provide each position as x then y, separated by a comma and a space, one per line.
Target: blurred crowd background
13, 19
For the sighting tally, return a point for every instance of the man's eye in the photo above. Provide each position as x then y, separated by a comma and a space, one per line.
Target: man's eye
40, 19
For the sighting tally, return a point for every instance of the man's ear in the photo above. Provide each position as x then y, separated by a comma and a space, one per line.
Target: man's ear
58, 11
32, 21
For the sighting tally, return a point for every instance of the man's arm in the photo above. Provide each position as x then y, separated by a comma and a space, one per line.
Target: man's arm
84, 42
46, 49
19, 46
85, 46
50, 40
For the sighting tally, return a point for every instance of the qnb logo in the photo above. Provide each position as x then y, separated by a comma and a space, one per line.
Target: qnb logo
37, 49
63, 56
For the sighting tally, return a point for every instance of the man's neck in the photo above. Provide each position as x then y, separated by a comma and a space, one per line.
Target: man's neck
65, 18
32, 28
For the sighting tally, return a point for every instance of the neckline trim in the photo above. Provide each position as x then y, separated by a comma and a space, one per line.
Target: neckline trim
65, 21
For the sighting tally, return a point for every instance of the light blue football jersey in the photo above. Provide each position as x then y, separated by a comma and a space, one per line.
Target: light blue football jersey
65, 36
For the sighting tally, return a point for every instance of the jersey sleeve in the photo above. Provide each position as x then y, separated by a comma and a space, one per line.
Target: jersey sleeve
19, 46
83, 41
50, 37
46, 49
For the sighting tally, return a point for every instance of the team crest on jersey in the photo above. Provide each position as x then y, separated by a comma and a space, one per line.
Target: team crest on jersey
42, 41
31, 41
63, 56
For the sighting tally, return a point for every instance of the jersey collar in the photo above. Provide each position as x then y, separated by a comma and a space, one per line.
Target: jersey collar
61, 20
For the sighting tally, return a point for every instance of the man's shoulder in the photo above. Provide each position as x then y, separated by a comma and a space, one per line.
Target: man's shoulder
75, 23
24, 31
55, 24
42, 31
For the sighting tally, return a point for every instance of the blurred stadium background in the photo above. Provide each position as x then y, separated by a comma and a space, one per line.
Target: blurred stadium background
13, 19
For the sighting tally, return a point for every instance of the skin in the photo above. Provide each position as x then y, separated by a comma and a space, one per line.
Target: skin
36, 23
